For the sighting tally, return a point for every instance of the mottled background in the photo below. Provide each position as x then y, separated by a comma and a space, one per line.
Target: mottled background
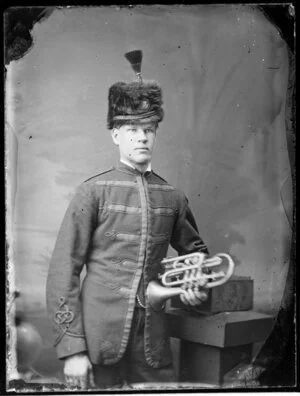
224, 73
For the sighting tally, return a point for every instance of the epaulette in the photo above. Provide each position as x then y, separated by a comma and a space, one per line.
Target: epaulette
99, 174
160, 177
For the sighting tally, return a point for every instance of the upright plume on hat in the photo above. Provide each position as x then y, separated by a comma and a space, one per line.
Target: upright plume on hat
135, 59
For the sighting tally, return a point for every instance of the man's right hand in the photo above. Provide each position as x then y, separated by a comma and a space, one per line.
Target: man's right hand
78, 371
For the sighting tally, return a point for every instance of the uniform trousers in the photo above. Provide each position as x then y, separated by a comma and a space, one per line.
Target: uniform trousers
133, 368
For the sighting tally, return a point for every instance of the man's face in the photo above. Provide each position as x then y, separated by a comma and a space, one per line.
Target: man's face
135, 142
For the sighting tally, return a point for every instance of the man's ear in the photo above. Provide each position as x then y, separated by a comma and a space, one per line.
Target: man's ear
115, 136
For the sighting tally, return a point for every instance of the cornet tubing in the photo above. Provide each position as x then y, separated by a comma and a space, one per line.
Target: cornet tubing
180, 258
228, 273
197, 270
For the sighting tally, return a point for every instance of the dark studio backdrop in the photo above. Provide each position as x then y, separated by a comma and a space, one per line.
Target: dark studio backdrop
227, 138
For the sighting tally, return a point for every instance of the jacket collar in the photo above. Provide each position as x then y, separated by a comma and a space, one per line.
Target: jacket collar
132, 166
123, 167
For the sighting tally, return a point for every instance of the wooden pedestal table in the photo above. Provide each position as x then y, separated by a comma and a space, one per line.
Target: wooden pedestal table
211, 345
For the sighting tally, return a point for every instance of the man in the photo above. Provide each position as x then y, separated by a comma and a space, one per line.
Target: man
119, 225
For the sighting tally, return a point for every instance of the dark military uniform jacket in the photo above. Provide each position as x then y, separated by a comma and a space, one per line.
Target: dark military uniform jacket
119, 224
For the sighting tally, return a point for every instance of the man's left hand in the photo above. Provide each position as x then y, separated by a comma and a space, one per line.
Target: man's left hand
195, 295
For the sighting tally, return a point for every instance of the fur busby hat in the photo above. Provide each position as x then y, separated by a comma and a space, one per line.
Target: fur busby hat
137, 101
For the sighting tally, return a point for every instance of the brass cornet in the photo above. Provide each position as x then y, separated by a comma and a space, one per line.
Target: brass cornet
191, 271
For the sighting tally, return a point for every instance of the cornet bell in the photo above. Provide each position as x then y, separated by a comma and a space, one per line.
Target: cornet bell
158, 294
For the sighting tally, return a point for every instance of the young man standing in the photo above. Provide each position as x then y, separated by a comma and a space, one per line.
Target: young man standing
119, 225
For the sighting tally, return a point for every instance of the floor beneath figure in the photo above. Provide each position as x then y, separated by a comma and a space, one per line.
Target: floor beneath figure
241, 377
48, 370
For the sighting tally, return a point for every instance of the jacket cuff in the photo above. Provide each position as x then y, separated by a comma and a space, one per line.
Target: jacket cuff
70, 345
